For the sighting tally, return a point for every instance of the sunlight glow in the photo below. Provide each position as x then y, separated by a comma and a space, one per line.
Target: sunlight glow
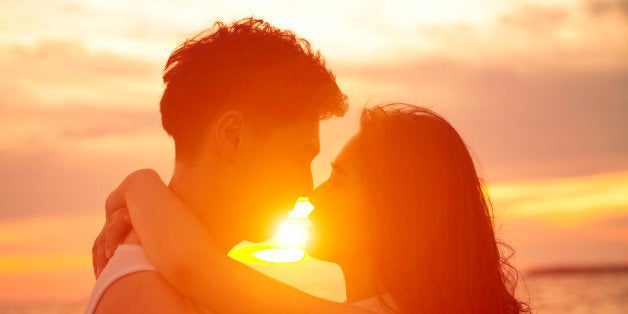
563, 202
302, 208
288, 243
286, 255
292, 232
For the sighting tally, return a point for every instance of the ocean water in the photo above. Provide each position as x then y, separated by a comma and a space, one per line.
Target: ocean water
600, 293
45, 307
603, 293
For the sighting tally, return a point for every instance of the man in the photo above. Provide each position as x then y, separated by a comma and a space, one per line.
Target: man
242, 103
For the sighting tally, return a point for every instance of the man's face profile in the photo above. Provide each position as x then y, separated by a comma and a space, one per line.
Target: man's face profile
281, 87
272, 171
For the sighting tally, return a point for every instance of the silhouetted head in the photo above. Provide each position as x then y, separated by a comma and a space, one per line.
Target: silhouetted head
244, 101
405, 199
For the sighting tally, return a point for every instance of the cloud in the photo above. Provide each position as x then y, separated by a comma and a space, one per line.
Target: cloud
45, 236
75, 122
535, 35
57, 73
75, 178
565, 203
538, 123
536, 18
60, 92
571, 221
603, 7
526, 110
66, 160
37, 127
538, 244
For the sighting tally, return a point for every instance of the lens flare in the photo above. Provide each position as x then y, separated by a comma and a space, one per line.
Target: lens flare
292, 232
288, 243
287, 255
302, 208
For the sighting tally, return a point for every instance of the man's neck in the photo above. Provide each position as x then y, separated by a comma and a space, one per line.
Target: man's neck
360, 280
199, 191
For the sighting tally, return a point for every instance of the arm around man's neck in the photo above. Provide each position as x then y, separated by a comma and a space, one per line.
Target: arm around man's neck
184, 253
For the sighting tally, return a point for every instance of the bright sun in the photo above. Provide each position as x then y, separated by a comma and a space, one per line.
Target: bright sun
288, 243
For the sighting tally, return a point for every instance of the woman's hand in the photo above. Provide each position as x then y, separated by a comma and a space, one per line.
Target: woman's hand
117, 227
186, 255
118, 222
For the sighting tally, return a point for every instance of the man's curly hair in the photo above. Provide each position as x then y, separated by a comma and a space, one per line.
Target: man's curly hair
250, 66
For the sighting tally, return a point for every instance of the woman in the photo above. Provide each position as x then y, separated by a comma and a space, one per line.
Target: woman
403, 214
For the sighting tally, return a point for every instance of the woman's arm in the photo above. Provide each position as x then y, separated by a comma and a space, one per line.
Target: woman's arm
194, 265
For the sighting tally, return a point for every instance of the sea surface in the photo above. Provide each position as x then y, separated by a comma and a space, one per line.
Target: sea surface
601, 293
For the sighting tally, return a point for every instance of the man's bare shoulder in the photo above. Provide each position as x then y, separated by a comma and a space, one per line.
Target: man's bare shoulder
143, 292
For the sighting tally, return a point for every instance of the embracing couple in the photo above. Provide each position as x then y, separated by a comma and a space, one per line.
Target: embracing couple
403, 213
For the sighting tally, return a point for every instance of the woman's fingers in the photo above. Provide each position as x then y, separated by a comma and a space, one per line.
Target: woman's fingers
99, 258
115, 200
116, 229
118, 222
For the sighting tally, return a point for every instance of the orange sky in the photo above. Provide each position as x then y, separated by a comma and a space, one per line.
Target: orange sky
538, 91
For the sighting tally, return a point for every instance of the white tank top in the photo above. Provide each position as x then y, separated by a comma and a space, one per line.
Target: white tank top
127, 259
131, 258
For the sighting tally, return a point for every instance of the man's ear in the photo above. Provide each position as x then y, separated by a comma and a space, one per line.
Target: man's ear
230, 133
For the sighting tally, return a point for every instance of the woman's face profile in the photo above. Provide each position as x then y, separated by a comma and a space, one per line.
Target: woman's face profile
340, 221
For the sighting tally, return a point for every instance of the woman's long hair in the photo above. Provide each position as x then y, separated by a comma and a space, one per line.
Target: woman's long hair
435, 248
